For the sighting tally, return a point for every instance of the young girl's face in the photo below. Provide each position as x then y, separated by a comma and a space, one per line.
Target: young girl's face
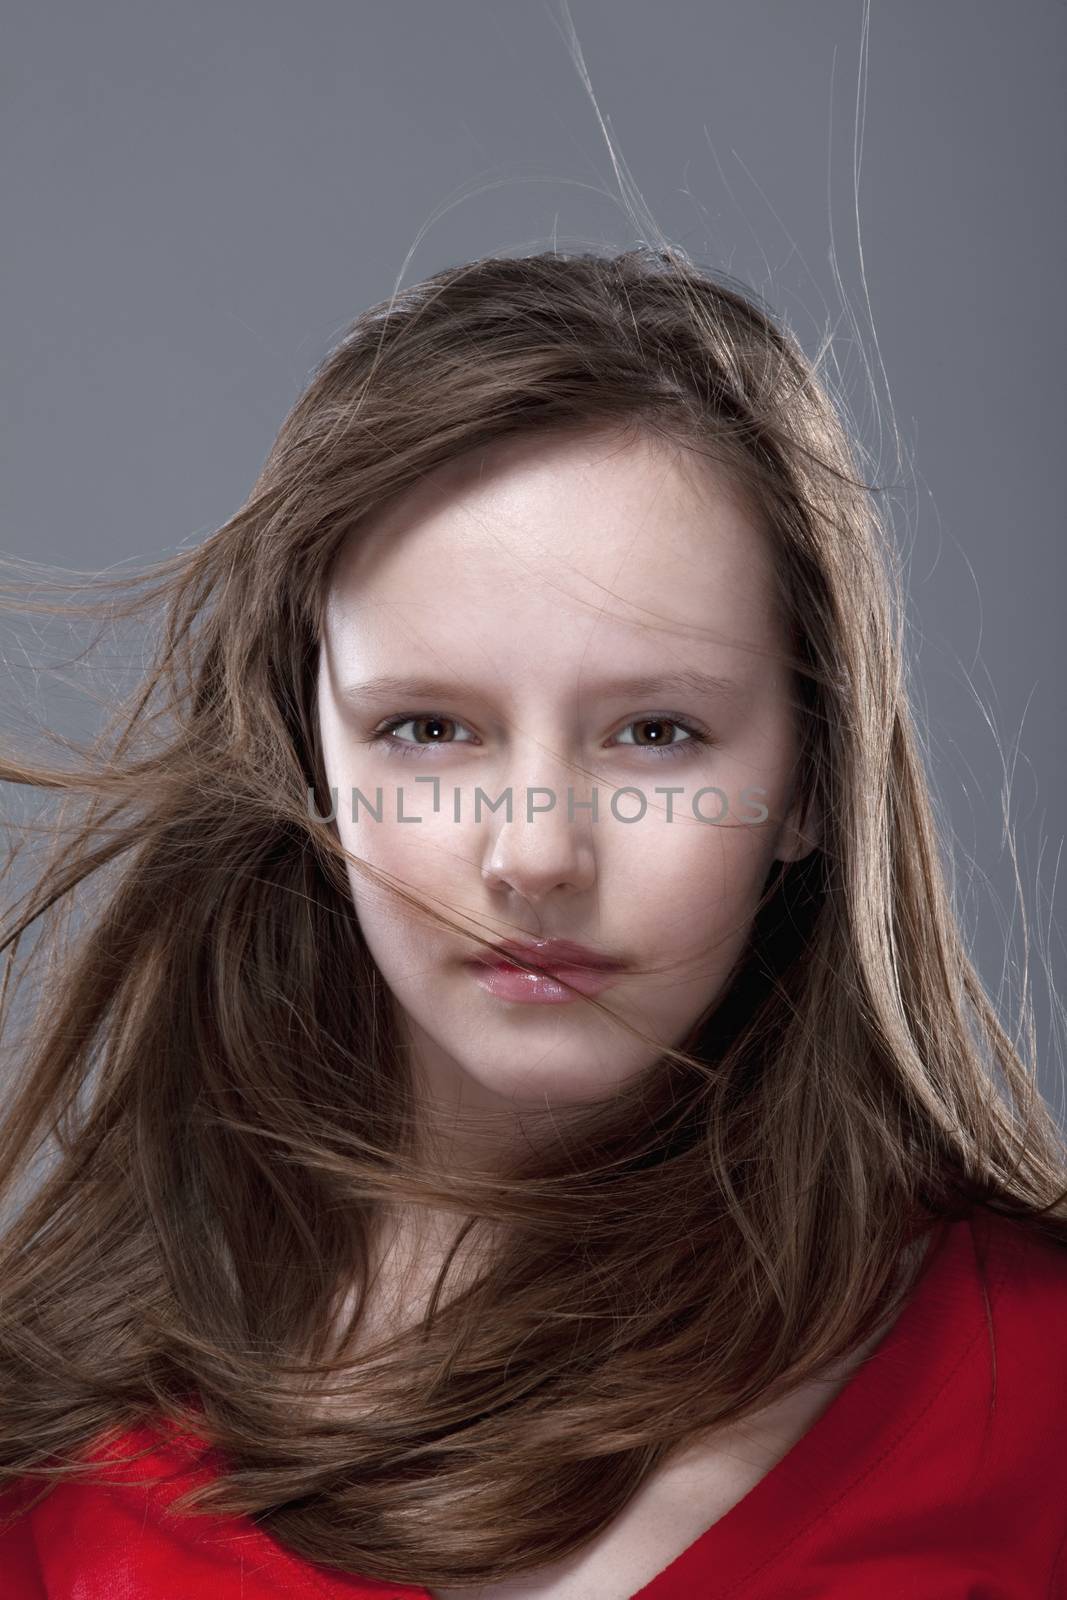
560, 620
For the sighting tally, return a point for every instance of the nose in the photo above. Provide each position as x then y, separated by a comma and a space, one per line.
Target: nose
542, 852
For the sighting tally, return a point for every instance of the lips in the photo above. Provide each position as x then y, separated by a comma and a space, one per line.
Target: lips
552, 955
561, 971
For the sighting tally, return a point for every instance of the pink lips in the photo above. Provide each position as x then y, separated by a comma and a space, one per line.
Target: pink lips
585, 970
552, 954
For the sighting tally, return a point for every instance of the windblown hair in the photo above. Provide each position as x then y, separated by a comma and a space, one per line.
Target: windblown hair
213, 1053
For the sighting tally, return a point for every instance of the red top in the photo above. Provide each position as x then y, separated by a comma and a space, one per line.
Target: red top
918, 1479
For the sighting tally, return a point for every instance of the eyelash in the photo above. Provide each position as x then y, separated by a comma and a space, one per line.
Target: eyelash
406, 748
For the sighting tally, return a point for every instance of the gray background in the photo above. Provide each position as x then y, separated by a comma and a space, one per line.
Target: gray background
197, 198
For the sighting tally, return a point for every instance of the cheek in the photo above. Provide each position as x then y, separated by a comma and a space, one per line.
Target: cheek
432, 858
693, 887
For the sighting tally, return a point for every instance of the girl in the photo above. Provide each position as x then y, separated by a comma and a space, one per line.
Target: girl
527, 1124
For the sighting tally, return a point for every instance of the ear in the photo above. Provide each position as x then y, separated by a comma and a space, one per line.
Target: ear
802, 830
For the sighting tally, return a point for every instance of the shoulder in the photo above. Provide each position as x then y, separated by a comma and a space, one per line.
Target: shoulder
1019, 1306
103, 1530
114, 1533
1024, 1271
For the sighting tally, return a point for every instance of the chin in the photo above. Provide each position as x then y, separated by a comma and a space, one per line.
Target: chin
572, 1077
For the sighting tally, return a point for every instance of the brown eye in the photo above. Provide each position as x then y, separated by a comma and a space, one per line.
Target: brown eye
437, 729
665, 736
652, 732
428, 730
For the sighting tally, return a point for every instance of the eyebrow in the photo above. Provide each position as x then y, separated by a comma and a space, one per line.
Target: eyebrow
707, 685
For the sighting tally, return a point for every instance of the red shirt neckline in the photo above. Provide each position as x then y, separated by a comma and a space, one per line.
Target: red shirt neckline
883, 1400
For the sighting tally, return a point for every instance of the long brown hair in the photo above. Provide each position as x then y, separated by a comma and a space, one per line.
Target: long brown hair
212, 1050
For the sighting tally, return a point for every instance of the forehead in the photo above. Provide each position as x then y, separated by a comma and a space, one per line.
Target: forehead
609, 542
